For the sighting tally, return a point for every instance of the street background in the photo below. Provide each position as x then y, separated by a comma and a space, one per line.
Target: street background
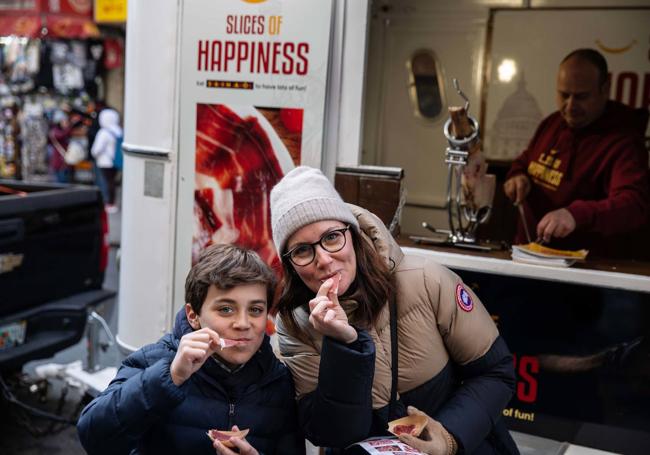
22, 434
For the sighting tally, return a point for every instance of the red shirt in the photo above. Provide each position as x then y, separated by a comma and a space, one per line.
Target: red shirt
62, 137
599, 173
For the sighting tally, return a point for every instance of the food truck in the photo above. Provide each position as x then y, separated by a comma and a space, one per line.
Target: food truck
223, 98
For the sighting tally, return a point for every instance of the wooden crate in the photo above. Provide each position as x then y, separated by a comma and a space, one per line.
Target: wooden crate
375, 188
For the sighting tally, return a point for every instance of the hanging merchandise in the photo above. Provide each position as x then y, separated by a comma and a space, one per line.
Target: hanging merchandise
32, 56
9, 143
113, 53
67, 78
52, 59
17, 73
67, 67
34, 138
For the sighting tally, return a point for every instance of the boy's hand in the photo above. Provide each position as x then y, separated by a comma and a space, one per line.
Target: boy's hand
193, 350
243, 447
327, 315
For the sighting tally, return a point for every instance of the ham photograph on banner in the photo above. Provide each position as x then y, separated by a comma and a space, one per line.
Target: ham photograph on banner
241, 153
252, 103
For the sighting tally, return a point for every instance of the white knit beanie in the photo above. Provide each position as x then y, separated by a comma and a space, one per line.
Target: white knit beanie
302, 197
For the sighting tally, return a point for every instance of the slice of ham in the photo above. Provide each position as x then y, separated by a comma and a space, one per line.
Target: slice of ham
412, 424
218, 435
236, 167
336, 279
400, 429
226, 343
224, 436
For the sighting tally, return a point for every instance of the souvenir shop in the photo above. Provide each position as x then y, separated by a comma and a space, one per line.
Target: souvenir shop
55, 68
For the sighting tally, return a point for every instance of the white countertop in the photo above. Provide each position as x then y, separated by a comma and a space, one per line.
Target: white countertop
507, 267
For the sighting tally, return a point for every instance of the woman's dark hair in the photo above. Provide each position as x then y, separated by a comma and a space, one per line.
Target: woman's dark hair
372, 288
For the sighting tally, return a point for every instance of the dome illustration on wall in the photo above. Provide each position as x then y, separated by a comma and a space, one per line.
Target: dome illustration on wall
515, 124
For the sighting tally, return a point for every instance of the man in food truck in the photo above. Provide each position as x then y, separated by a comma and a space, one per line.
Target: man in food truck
583, 180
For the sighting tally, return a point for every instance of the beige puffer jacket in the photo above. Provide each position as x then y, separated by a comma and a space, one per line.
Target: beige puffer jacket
438, 318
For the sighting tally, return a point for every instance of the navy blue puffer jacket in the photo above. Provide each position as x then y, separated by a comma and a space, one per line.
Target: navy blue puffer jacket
142, 411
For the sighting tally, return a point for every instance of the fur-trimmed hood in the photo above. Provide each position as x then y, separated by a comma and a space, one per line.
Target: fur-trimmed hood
375, 232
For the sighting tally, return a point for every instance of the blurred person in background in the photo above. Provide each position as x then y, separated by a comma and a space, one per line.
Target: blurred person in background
104, 151
92, 111
58, 140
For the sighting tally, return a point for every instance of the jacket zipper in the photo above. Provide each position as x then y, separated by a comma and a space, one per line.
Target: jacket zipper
231, 415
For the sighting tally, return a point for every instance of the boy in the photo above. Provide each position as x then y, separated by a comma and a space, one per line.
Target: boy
167, 395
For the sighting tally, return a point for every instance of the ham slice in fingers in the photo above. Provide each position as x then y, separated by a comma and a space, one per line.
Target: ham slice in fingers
224, 436
412, 424
226, 343
336, 279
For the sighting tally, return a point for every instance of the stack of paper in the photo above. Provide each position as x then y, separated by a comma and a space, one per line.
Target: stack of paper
534, 253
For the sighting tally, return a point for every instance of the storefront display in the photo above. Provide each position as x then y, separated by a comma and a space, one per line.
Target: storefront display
52, 59
39, 77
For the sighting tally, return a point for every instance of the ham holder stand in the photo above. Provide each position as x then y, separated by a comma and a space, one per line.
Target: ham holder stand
465, 215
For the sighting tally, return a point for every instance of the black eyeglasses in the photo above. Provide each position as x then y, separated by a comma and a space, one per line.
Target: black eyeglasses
304, 253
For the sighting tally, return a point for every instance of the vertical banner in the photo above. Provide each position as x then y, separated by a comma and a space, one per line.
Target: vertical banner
252, 98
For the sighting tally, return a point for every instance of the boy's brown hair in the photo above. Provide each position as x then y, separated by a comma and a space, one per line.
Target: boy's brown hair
226, 267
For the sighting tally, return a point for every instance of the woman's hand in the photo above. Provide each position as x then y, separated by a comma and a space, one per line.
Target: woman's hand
193, 350
327, 315
243, 447
434, 440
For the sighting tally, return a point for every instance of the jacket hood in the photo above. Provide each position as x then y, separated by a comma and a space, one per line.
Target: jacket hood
110, 120
375, 232
181, 326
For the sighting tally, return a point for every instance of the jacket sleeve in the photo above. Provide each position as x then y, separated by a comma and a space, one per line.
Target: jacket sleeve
334, 387
138, 397
482, 360
292, 440
627, 205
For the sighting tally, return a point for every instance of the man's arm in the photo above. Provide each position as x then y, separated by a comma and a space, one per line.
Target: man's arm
517, 188
627, 205
556, 223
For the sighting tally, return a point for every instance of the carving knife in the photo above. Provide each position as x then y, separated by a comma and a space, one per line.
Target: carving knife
520, 207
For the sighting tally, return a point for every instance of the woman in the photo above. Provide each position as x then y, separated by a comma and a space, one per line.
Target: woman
103, 150
350, 295
58, 140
